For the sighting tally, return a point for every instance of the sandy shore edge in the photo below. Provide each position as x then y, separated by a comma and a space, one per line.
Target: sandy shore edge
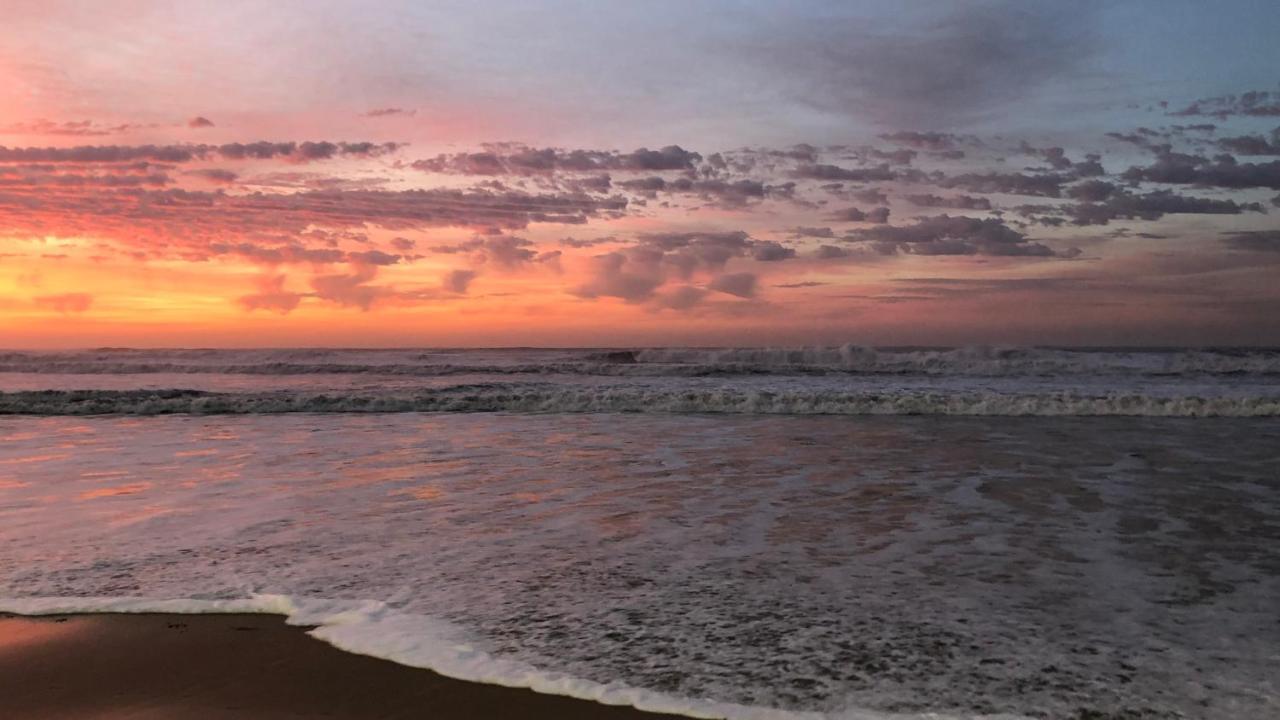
234, 666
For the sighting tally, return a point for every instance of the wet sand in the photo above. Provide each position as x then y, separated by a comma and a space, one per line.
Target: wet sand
113, 667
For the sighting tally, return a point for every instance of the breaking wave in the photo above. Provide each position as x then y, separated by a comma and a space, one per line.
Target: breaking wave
547, 398
981, 361
374, 629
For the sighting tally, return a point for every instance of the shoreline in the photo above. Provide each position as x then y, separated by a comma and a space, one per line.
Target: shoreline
103, 665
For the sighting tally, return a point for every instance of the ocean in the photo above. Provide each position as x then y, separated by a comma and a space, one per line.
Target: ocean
838, 532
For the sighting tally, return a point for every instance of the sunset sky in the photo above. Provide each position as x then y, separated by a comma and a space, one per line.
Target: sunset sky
597, 173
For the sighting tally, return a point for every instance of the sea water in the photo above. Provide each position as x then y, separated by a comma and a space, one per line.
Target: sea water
831, 532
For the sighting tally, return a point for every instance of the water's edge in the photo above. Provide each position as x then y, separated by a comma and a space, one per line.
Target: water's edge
373, 629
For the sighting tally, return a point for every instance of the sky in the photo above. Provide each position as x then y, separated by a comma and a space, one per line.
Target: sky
664, 173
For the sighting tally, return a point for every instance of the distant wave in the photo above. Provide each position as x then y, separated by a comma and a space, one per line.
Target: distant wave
546, 398
981, 361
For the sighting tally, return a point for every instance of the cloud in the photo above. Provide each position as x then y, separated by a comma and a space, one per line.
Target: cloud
954, 235
373, 257
521, 160
271, 296
770, 251
683, 297
215, 175
830, 252
199, 122
959, 202
636, 273
853, 214
1252, 144
720, 193
631, 275
350, 289
291, 151
959, 68
833, 172
1254, 103
185, 220
65, 303
934, 141
1223, 171
76, 128
457, 281
1150, 206
389, 111
812, 232
1254, 241
1044, 185
741, 284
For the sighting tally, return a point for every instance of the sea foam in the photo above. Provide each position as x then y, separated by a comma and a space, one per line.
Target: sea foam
374, 629
539, 398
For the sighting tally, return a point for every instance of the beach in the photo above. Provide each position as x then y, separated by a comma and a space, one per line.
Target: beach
143, 666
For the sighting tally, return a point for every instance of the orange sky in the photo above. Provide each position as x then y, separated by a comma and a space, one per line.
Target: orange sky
164, 189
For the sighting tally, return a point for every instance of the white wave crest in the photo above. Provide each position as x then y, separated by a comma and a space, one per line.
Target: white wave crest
534, 398
981, 361
372, 628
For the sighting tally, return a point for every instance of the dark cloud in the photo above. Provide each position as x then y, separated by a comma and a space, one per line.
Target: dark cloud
1253, 144
959, 68
215, 175
1055, 156
174, 220
954, 235
684, 297
853, 214
721, 193
871, 196
389, 111
1151, 206
1253, 103
522, 160
832, 172
830, 252
1092, 190
742, 285
586, 242
1254, 241
373, 257
1223, 171
199, 122
959, 202
770, 251
593, 183
812, 232
291, 151
1042, 185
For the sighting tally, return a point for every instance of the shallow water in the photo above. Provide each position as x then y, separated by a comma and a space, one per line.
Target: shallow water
1031, 566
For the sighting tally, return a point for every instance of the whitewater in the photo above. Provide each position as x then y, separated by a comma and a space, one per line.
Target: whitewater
845, 533
846, 380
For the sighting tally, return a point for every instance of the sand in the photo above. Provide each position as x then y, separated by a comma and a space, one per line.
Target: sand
112, 667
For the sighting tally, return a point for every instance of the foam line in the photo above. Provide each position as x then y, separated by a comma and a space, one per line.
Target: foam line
372, 628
